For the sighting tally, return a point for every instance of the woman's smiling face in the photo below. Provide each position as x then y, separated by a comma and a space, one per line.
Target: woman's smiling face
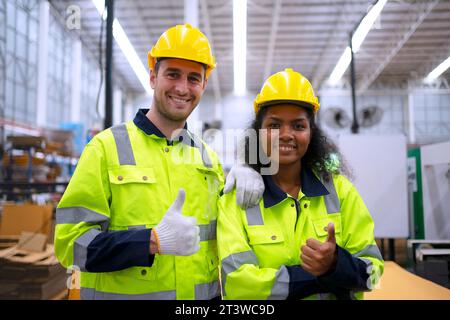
288, 128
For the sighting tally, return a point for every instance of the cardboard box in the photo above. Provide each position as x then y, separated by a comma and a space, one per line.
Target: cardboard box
27, 217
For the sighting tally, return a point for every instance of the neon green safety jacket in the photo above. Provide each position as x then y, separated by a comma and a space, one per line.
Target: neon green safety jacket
259, 248
125, 180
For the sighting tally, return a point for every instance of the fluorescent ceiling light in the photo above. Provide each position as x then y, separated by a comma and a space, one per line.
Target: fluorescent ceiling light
366, 24
100, 5
240, 46
357, 39
341, 66
440, 69
127, 49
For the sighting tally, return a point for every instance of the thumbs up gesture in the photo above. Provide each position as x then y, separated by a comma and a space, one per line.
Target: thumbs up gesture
176, 234
319, 258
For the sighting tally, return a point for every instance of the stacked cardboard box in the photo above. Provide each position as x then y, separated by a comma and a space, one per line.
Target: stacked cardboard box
30, 275
29, 269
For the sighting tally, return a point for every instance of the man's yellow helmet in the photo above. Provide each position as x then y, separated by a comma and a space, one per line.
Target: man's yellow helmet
183, 42
287, 86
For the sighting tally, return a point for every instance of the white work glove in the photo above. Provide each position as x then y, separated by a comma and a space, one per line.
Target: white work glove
176, 234
249, 185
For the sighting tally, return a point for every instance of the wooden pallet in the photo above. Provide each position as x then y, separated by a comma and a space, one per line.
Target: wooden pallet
8, 241
14, 254
30, 275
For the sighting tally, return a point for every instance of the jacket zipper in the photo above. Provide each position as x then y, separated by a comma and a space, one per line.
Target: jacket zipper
298, 211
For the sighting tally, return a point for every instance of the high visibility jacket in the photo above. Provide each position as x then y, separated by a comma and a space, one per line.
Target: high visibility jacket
125, 181
259, 248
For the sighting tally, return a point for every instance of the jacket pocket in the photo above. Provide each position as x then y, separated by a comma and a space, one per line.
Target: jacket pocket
131, 174
135, 200
259, 235
321, 225
269, 246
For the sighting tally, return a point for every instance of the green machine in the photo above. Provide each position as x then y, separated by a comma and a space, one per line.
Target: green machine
417, 230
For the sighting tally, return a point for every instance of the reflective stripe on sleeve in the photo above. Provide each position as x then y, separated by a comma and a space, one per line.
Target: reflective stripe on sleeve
80, 248
369, 251
75, 215
280, 289
366, 261
234, 262
138, 227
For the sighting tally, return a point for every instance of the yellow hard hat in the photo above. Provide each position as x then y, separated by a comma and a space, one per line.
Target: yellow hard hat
287, 86
183, 42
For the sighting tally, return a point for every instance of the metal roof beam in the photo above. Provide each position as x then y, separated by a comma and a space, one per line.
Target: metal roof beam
272, 38
440, 55
372, 73
322, 68
214, 75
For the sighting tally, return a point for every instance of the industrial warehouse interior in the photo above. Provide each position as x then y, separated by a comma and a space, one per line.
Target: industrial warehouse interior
70, 69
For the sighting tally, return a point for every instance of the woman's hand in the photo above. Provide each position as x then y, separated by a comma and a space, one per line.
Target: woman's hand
319, 258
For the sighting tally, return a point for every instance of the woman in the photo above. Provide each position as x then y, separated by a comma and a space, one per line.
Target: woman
311, 236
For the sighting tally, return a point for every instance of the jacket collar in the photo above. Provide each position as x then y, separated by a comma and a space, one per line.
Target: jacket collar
311, 187
146, 125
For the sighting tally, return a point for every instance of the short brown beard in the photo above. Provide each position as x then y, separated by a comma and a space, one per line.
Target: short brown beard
161, 111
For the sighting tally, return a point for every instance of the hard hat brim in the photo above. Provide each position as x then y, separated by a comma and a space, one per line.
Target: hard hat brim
302, 104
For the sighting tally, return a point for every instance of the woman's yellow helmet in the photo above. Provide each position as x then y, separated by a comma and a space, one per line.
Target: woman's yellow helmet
287, 86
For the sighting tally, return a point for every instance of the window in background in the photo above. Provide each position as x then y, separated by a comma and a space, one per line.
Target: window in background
58, 73
90, 82
18, 59
432, 114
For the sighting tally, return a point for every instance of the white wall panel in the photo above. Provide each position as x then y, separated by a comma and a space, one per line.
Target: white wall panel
435, 160
379, 168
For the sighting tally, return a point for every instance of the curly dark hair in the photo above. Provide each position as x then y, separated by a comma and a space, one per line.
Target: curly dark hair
319, 157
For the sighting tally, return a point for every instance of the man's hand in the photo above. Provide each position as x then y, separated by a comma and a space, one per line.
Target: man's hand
319, 258
176, 234
249, 185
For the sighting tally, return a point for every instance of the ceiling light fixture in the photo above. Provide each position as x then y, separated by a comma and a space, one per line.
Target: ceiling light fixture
127, 48
240, 46
440, 69
357, 39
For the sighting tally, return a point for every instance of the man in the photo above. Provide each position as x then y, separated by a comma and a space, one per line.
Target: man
139, 215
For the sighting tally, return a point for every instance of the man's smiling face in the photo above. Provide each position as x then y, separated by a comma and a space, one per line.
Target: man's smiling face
178, 86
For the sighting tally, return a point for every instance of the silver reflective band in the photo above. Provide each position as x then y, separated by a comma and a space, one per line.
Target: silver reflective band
205, 157
280, 288
331, 199
369, 251
75, 215
207, 291
202, 148
123, 145
254, 216
80, 247
208, 231
141, 227
366, 261
92, 294
234, 262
